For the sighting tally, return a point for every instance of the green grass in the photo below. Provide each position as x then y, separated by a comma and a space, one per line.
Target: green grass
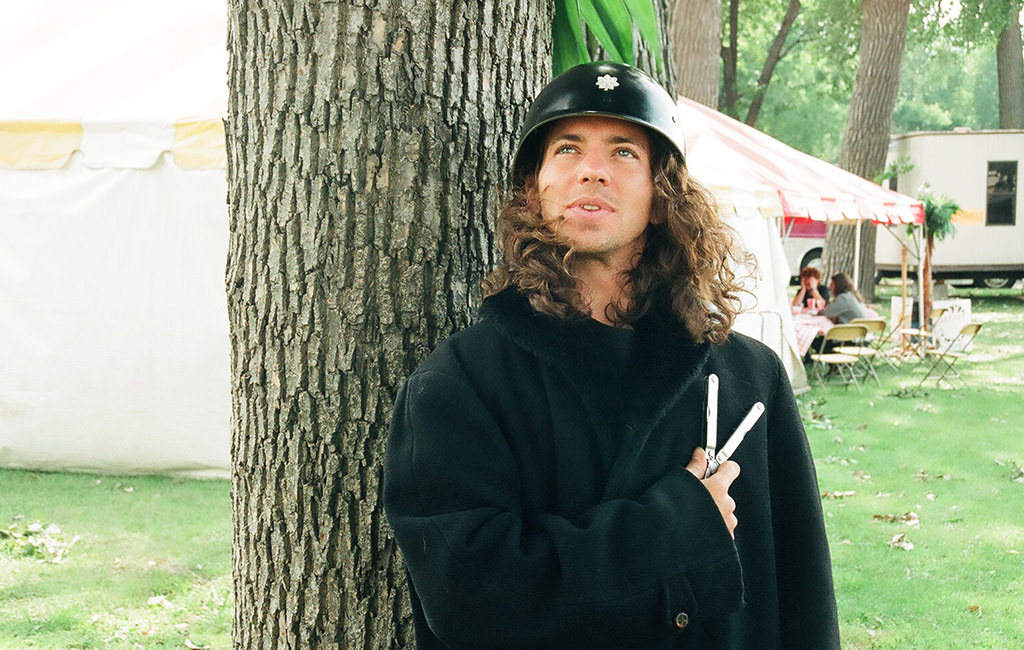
953, 457
139, 538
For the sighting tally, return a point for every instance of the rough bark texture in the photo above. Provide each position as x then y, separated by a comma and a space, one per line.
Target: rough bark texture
770, 61
696, 34
667, 76
866, 136
367, 143
1010, 70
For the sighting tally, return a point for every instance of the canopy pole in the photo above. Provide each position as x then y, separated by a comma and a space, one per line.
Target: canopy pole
856, 256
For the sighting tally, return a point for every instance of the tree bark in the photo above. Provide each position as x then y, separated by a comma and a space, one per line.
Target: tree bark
366, 143
866, 136
1010, 70
696, 33
667, 75
730, 53
770, 61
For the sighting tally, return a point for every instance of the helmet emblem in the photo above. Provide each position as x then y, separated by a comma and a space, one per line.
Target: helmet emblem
607, 82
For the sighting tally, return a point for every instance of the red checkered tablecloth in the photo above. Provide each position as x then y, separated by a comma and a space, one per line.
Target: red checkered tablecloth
806, 327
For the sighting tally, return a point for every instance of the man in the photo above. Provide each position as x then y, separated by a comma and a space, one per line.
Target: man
812, 294
541, 478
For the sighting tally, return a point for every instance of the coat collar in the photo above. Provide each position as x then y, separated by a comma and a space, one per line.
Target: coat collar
665, 360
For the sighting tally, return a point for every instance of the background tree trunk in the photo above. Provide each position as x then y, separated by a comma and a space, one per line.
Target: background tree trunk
1010, 70
866, 136
696, 35
667, 75
771, 60
367, 143
730, 56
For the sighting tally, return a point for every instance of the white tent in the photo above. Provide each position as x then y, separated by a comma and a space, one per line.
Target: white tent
113, 237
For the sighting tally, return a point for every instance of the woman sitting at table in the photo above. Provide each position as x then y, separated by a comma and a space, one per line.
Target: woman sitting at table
812, 294
846, 303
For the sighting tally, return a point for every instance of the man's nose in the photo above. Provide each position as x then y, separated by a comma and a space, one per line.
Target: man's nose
592, 169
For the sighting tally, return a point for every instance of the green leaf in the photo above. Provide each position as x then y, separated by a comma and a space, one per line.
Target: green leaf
608, 18
568, 43
646, 21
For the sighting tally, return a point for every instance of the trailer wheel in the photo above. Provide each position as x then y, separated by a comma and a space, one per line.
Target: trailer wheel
811, 258
994, 283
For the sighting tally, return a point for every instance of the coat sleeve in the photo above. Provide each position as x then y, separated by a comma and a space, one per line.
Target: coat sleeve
616, 575
807, 603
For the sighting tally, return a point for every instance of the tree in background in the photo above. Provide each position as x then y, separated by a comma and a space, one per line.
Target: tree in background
868, 124
1010, 69
367, 144
697, 34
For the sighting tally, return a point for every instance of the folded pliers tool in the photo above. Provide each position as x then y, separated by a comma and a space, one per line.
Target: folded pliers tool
714, 456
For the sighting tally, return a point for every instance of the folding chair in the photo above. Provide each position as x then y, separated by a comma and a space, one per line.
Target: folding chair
844, 364
867, 352
918, 340
954, 351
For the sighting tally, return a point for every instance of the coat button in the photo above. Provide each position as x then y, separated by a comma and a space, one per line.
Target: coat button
681, 620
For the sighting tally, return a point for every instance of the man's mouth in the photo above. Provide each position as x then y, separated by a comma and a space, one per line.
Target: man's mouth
590, 204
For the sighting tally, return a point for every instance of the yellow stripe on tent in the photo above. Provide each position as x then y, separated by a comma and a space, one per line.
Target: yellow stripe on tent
38, 145
199, 144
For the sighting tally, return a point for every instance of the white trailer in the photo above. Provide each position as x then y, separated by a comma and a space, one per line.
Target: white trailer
979, 170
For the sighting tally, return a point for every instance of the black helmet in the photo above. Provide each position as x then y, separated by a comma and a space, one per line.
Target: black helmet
598, 88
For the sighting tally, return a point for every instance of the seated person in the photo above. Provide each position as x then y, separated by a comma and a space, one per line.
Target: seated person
845, 306
812, 294
847, 303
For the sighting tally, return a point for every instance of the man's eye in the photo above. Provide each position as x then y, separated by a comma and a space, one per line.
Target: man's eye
626, 153
565, 148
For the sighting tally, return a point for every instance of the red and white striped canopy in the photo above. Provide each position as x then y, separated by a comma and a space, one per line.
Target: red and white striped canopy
751, 172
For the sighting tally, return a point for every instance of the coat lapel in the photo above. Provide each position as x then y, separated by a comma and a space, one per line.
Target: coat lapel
665, 363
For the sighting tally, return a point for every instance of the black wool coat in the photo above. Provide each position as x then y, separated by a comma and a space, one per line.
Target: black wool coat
540, 505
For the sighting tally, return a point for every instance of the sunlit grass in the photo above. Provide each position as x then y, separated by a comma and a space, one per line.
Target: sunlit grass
151, 566
951, 456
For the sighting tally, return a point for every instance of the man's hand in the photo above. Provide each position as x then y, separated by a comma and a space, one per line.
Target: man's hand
718, 485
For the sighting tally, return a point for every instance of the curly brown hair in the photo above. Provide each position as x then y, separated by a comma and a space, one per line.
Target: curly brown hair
688, 263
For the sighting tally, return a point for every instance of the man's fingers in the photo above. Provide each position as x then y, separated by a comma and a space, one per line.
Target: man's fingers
727, 472
698, 464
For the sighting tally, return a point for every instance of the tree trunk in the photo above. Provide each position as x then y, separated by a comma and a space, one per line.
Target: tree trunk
696, 33
730, 52
366, 143
1010, 69
866, 136
770, 61
667, 76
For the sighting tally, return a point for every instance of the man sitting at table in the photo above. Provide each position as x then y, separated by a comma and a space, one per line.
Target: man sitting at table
812, 294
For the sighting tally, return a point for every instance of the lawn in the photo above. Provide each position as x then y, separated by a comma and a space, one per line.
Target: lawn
942, 469
133, 562
924, 503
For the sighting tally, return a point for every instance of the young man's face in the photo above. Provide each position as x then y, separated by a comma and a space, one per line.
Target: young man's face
596, 178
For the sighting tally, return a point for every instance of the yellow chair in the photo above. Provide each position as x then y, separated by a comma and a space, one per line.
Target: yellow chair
844, 364
871, 349
953, 352
918, 340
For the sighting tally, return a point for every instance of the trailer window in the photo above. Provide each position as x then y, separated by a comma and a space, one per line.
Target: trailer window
1002, 193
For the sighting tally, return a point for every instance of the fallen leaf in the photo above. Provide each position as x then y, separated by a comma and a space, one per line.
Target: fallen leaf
838, 494
930, 496
900, 541
192, 646
862, 476
975, 609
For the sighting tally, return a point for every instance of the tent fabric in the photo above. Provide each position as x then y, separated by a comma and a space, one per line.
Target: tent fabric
193, 143
38, 145
751, 172
113, 321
